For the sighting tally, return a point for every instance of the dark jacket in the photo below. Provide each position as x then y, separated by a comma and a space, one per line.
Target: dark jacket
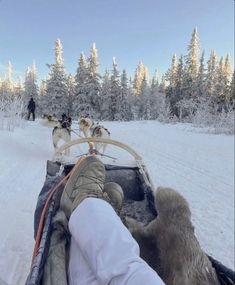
31, 105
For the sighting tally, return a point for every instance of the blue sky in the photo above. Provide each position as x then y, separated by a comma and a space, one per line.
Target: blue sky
131, 30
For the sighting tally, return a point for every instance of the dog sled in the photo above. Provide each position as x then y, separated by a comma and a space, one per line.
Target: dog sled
131, 175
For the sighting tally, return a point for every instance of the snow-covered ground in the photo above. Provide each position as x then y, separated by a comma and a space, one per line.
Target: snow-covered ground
198, 165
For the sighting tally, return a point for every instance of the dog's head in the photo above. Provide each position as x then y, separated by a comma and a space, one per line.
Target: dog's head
84, 123
65, 121
49, 121
49, 117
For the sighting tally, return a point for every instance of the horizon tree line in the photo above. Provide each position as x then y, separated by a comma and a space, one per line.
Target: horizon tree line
189, 83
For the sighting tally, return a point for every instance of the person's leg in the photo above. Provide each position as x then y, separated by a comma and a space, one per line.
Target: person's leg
28, 115
100, 236
107, 245
33, 112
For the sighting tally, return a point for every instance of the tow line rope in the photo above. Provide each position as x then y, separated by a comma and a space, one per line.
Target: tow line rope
73, 130
42, 218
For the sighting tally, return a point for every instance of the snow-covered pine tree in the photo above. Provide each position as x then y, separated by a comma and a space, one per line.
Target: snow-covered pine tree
172, 73
30, 86
153, 93
228, 74
80, 97
19, 88
220, 85
105, 96
232, 91
42, 102
211, 78
7, 87
123, 107
140, 73
42, 87
1, 83
162, 85
144, 101
115, 91
171, 77
159, 106
154, 81
201, 78
93, 84
56, 89
71, 94
191, 67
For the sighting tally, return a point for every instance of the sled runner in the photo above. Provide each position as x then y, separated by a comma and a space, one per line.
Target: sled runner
132, 176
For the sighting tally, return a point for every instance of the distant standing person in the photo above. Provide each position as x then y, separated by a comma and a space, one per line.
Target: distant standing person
31, 109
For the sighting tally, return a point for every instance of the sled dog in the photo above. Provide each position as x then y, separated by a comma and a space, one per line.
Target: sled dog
61, 128
49, 121
94, 130
85, 126
168, 243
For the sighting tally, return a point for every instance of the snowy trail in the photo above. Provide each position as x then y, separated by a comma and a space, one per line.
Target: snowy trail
22, 168
200, 166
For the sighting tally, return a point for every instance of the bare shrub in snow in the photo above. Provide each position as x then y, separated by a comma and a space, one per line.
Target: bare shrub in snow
219, 122
224, 122
187, 109
11, 113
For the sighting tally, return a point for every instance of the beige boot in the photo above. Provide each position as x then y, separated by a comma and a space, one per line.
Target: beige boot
115, 193
86, 181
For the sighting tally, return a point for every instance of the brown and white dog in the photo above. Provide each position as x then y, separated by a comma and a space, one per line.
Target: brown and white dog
61, 128
85, 126
168, 243
94, 130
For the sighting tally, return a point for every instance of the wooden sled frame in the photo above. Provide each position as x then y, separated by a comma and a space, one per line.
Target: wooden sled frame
121, 145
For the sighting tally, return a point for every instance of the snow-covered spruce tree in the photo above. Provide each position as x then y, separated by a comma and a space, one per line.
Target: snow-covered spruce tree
19, 88
123, 102
131, 99
105, 96
201, 78
228, 74
159, 106
115, 91
162, 85
71, 94
80, 102
220, 85
93, 84
191, 67
232, 91
56, 86
30, 86
144, 101
172, 73
140, 73
7, 86
171, 77
153, 93
211, 79
42, 101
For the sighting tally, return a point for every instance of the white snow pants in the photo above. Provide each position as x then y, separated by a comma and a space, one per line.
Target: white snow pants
103, 251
